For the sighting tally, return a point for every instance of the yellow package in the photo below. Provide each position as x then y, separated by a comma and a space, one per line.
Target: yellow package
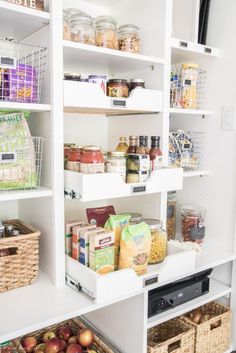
135, 246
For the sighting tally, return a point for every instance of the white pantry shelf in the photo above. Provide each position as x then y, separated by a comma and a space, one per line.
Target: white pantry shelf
217, 290
25, 194
85, 97
115, 61
29, 107
19, 21
183, 51
195, 173
178, 112
92, 187
40, 305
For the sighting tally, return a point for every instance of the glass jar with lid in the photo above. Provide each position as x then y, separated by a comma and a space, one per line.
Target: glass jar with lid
116, 163
171, 215
158, 251
82, 29
118, 88
92, 160
129, 38
66, 26
106, 32
74, 158
193, 223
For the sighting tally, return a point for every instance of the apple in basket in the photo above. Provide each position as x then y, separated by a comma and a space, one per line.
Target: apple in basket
29, 343
85, 337
64, 333
53, 345
48, 336
72, 339
74, 348
90, 351
39, 348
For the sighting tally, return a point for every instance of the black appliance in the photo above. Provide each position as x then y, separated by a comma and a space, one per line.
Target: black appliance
177, 293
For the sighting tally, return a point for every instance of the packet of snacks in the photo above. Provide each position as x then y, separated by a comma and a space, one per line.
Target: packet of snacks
117, 223
135, 246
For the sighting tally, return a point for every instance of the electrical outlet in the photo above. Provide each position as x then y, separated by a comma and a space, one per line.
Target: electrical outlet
228, 118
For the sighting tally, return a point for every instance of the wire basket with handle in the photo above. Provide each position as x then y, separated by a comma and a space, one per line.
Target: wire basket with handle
21, 168
22, 68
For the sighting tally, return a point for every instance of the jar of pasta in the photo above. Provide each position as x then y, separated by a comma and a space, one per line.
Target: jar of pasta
129, 38
106, 32
82, 29
158, 251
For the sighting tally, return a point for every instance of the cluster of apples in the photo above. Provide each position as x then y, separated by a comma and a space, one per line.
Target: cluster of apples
63, 341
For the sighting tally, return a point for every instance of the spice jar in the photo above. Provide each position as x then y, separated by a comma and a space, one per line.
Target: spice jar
116, 163
122, 145
74, 158
193, 222
66, 26
171, 215
129, 38
82, 29
158, 251
106, 32
92, 160
136, 83
118, 88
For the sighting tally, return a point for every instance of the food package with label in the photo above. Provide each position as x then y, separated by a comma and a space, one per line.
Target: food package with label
68, 235
101, 251
84, 243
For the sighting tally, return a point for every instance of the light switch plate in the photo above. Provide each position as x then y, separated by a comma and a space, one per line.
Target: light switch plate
228, 118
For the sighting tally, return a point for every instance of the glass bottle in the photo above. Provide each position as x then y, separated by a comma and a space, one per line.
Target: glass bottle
133, 144
143, 145
171, 215
155, 153
122, 146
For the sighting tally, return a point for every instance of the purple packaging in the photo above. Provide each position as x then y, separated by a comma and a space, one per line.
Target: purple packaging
20, 84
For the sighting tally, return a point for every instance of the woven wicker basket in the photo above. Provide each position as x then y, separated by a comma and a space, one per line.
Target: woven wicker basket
99, 345
208, 337
172, 336
20, 268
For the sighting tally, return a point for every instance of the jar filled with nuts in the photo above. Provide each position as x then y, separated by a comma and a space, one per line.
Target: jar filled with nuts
193, 222
129, 38
82, 29
158, 251
171, 215
106, 32
66, 26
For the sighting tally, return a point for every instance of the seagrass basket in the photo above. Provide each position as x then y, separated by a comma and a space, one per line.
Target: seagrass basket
171, 336
99, 345
213, 335
20, 267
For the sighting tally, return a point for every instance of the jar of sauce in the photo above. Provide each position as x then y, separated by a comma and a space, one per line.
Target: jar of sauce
92, 160
158, 251
133, 144
74, 158
155, 153
118, 88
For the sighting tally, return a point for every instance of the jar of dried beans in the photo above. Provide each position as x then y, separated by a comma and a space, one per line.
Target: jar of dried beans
106, 32
193, 222
129, 38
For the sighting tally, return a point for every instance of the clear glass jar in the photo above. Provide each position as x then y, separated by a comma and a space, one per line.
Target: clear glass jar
118, 88
106, 32
82, 29
74, 158
116, 163
66, 26
158, 251
193, 223
171, 215
92, 160
129, 38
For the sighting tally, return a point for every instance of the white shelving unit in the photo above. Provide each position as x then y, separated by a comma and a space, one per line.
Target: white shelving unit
70, 113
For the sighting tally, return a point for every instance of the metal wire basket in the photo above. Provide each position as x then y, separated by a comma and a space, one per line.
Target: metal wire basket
21, 167
187, 88
186, 149
21, 71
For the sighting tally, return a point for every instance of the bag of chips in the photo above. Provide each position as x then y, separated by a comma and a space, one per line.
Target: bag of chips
135, 246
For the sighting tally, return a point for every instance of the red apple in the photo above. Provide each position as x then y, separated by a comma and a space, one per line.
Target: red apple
63, 345
39, 348
48, 336
85, 337
53, 345
64, 333
72, 339
29, 343
74, 348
